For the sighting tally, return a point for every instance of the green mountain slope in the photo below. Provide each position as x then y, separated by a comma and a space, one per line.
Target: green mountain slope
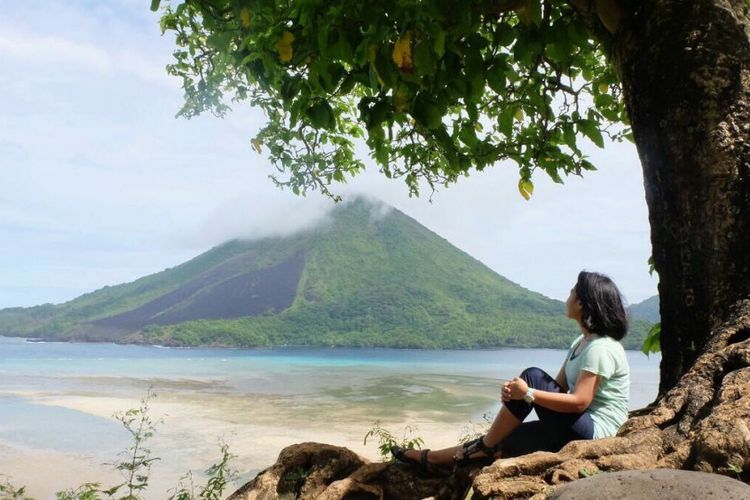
364, 278
648, 310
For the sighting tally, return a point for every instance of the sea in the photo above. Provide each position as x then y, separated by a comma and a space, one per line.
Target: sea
59, 401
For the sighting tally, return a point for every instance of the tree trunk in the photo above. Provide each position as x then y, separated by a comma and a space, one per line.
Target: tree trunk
685, 67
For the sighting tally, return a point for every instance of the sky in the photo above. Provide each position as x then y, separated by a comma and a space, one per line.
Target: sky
100, 184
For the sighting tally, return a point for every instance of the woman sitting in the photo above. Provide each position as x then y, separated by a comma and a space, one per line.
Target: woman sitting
588, 398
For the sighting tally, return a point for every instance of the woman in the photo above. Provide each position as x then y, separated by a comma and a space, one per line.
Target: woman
588, 398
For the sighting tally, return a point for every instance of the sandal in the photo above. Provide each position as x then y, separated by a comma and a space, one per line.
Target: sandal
422, 465
475, 446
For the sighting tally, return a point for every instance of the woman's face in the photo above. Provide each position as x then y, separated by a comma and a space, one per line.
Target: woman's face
574, 306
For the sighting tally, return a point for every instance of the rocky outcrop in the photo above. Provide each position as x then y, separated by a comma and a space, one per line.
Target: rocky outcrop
664, 484
309, 471
703, 424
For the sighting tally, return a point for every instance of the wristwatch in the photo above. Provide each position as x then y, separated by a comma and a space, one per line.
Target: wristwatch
529, 396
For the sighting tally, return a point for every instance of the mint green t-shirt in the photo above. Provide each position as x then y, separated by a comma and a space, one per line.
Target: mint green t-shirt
603, 356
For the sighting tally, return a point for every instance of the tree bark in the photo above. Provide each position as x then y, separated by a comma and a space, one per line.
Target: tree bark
685, 68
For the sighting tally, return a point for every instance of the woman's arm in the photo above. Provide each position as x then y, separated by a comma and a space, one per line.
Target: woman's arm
576, 402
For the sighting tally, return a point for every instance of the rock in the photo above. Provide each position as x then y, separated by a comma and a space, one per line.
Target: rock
571, 470
308, 471
664, 484
303, 471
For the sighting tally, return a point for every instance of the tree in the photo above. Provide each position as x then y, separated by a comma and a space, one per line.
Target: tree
438, 89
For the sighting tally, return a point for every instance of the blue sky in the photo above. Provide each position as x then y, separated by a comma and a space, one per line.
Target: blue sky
100, 184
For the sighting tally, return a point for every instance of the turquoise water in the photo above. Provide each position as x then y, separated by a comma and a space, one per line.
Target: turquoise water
379, 383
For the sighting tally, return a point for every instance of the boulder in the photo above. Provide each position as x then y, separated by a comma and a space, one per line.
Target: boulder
316, 471
664, 484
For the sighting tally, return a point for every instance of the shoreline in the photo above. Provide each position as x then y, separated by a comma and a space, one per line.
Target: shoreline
225, 347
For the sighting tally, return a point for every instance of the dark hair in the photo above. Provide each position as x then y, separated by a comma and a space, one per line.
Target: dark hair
602, 312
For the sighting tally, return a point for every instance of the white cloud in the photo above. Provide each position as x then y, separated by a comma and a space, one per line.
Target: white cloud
35, 49
32, 49
261, 213
144, 68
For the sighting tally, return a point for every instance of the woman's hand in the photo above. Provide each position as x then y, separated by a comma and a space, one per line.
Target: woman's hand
515, 389
506, 391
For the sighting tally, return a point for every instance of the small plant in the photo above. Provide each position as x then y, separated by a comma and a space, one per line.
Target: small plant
295, 479
737, 469
185, 489
473, 430
586, 473
219, 475
386, 439
87, 491
137, 461
297, 474
10, 492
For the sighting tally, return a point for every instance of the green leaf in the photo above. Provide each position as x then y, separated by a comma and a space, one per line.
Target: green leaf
350, 80
504, 34
438, 40
378, 114
426, 111
342, 49
424, 59
468, 134
590, 129
381, 154
535, 11
321, 115
569, 136
155, 5
505, 120
652, 342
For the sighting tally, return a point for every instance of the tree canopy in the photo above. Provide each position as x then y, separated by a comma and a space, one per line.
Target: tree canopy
436, 88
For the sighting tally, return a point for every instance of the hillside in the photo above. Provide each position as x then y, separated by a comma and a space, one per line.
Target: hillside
368, 276
648, 310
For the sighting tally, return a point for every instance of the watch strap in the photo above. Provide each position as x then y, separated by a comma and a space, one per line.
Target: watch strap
529, 396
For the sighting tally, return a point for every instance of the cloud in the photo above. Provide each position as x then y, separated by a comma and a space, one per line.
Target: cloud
140, 66
261, 214
33, 49
12, 152
36, 49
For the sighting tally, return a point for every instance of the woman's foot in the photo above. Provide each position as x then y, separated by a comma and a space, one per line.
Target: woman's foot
420, 459
477, 451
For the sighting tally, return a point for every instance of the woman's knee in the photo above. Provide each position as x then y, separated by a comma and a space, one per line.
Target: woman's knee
532, 373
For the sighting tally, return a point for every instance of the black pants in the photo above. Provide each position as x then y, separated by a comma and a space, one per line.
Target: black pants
553, 430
